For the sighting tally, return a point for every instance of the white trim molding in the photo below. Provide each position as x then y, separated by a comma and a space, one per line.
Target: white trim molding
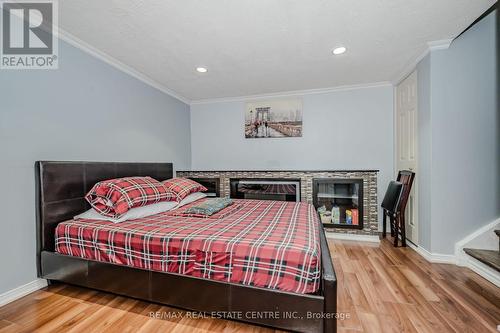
489, 228
22, 291
481, 269
292, 93
435, 258
442, 44
353, 237
483, 238
460, 258
84, 46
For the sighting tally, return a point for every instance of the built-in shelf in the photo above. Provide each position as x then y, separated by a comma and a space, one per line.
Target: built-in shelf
339, 202
337, 184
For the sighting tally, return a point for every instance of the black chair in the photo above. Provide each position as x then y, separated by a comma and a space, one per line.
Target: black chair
405, 177
390, 207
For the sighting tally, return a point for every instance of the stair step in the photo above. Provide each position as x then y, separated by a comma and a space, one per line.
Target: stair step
487, 257
497, 232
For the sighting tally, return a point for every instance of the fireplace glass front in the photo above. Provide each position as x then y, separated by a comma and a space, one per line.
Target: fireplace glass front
266, 189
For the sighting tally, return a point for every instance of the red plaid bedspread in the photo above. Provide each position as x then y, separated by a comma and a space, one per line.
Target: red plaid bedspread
269, 244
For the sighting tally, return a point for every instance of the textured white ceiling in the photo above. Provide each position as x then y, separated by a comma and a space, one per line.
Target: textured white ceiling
264, 46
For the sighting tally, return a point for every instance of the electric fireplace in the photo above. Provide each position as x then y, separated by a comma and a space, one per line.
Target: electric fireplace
265, 189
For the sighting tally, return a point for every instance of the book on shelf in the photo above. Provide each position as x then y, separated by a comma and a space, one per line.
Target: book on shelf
336, 214
355, 216
348, 216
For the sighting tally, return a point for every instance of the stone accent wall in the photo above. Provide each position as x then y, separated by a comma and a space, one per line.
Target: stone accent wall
370, 216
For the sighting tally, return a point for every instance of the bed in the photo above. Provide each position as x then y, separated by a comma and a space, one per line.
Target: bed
265, 256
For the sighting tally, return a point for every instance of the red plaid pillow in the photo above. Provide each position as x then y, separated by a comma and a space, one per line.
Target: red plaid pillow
115, 197
182, 187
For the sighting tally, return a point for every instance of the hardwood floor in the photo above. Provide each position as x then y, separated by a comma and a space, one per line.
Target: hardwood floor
381, 289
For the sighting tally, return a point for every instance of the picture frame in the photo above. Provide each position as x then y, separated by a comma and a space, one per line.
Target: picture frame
276, 118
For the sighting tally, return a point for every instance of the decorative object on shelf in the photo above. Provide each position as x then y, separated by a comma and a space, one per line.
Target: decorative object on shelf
273, 119
325, 215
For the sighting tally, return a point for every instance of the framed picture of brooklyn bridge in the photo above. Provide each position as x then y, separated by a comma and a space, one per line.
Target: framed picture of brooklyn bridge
279, 118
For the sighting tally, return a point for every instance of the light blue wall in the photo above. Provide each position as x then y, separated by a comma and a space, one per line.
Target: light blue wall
462, 147
85, 110
350, 129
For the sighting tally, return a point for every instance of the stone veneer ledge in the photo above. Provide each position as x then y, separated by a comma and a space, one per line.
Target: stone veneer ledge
370, 216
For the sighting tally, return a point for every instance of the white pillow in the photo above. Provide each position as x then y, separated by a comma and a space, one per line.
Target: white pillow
190, 198
132, 214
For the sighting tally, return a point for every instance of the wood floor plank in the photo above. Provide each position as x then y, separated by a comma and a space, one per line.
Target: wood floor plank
380, 289
8, 327
371, 322
390, 282
418, 321
419, 284
397, 321
356, 292
55, 323
347, 307
372, 294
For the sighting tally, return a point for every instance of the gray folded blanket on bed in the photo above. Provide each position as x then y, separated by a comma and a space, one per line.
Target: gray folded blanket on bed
209, 206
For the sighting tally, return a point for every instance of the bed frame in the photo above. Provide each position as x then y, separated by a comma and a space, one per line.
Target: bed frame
60, 191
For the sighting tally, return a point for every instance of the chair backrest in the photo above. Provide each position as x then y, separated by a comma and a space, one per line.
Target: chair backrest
392, 196
406, 178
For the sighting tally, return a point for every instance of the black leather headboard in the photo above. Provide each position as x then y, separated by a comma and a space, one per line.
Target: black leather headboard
61, 188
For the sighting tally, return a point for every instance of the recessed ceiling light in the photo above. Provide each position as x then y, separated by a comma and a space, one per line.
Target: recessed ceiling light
201, 69
339, 50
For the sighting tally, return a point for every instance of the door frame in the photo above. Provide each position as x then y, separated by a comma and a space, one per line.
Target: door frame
395, 149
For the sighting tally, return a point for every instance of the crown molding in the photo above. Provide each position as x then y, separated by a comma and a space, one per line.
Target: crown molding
410, 67
442, 44
80, 44
291, 93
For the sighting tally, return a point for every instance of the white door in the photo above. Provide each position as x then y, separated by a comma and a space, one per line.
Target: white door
406, 146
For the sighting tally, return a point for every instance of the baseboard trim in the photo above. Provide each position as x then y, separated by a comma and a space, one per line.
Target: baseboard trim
21, 291
356, 237
464, 260
435, 258
462, 257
